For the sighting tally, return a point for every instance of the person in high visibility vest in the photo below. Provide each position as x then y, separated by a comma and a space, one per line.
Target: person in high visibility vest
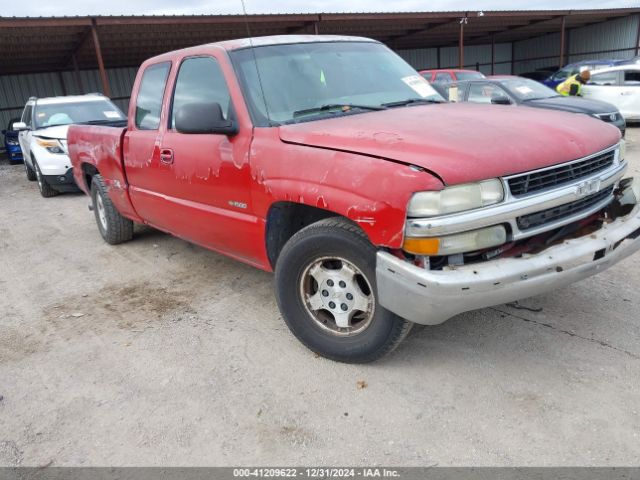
573, 85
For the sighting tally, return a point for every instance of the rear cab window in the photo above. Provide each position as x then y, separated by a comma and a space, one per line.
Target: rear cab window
151, 95
443, 77
469, 75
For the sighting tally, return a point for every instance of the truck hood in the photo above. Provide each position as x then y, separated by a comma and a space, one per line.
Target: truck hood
460, 142
573, 104
58, 132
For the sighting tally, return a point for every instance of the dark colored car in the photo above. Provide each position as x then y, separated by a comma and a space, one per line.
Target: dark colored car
11, 144
511, 90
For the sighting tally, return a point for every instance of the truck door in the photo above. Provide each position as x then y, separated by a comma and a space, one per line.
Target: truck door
200, 183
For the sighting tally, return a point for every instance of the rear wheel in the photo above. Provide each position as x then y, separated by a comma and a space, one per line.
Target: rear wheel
326, 291
113, 227
45, 189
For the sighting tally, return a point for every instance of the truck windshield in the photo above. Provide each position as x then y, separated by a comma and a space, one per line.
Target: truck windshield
91, 111
301, 81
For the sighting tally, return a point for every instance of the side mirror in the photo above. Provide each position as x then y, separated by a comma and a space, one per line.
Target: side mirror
19, 126
500, 100
204, 118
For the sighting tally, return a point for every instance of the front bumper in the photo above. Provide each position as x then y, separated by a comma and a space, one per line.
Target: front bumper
63, 183
432, 297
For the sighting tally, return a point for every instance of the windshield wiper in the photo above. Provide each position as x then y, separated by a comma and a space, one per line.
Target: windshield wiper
411, 101
345, 107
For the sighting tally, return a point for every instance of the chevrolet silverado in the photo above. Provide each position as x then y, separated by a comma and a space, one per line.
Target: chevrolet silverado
332, 162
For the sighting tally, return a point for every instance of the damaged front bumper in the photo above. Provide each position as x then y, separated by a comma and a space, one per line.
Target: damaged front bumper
431, 297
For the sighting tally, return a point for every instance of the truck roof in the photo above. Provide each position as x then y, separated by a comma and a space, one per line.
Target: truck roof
240, 43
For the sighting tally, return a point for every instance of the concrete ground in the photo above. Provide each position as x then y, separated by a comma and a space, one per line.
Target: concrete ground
157, 352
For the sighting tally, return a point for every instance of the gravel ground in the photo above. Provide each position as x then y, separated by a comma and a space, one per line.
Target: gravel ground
158, 352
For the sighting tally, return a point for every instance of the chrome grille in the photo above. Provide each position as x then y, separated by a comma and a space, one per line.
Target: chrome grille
560, 175
543, 217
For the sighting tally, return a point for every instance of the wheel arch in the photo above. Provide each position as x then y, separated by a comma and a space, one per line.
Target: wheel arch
285, 219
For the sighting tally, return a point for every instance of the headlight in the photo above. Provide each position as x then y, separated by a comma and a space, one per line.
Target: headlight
456, 199
622, 150
52, 146
12, 142
458, 243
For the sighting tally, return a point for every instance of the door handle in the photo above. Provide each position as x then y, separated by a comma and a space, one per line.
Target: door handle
166, 155
626, 93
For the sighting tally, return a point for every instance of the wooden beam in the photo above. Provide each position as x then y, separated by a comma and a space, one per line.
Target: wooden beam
103, 73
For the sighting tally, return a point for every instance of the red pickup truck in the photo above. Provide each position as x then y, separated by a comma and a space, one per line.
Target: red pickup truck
331, 161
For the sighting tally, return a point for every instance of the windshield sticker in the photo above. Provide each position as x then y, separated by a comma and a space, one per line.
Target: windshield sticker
453, 93
419, 85
524, 90
111, 114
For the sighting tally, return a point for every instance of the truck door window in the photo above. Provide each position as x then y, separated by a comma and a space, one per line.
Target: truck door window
200, 80
150, 95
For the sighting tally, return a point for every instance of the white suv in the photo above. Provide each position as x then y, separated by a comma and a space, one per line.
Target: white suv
43, 136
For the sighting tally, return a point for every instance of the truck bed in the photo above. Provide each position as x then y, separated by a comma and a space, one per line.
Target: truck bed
98, 148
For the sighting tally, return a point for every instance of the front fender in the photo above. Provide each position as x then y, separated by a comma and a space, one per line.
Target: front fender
372, 192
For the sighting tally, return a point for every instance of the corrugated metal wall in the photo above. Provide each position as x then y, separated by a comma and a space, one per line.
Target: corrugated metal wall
614, 39
15, 90
611, 39
426, 58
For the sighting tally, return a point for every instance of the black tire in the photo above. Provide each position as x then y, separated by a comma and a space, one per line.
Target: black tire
115, 228
31, 175
328, 239
45, 189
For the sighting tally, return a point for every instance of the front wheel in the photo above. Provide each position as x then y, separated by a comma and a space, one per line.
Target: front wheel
326, 291
113, 227
43, 186
31, 175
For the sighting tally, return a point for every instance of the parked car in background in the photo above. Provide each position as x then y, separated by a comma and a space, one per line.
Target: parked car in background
512, 90
619, 86
539, 75
11, 143
574, 68
43, 136
376, 203
449, 75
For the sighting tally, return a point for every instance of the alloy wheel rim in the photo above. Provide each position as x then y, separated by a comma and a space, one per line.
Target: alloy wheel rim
102, 216
338, 296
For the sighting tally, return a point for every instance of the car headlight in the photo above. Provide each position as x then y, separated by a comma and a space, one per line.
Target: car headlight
622, 150
456, 199
457, 243
51, 145
12, 142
